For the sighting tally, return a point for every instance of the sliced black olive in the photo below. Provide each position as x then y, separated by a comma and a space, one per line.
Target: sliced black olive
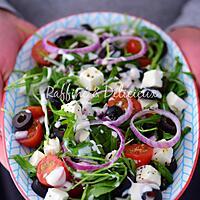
58, 132
151, 94
167, 125
54, 96
22, 120
60, 42
120, 191
142, 71
80, 44
173, 165
39, 188
87, 27
114, 112
164, 184
103, 52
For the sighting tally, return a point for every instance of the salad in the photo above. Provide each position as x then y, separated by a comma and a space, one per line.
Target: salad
104, 114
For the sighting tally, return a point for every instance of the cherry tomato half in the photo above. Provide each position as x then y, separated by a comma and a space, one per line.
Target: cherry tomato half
36, 111
141, 153
38, 53
35, 135
119, 99
133, 46
47, 165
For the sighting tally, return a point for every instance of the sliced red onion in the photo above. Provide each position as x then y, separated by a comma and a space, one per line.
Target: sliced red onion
19, 135
160, 143
123, 117
110, 61
53, 49
91, 167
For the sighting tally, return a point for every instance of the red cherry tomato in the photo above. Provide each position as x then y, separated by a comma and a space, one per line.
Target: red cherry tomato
47, 165
119, 99
144, 61
141, 153
36, 111
35, 135
38, 53
133, 46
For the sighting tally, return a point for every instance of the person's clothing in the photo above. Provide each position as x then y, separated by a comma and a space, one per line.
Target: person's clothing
163, 13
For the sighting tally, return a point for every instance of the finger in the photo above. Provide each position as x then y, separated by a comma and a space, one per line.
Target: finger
188, 39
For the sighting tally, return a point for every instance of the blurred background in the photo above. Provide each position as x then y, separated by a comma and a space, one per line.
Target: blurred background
166, 14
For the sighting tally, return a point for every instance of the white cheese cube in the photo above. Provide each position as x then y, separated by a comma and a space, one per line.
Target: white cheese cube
56, 194
152, 78
148, 174
36, 158
90, 78
152, 104
52, 146
57, 177
72, 107
163, 155
175, 103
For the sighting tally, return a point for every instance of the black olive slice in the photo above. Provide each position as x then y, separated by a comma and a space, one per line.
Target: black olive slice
167, 125
60, 42
114, 112
173, 165
39, 188
22, 120
120, 191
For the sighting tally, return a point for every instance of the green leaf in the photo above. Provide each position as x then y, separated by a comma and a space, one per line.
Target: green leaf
114, 72
164, 171
130, 164
185, 131
150, 120
25, 165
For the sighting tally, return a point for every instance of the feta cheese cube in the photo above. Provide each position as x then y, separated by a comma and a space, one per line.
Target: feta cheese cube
148, 174
175, 103
36, 158
72, 107
163, 155
90, 78
56, 194
152, 78
152, 104
51, 146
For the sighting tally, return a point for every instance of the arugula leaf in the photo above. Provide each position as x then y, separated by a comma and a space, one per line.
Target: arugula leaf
25, 165
130, 164
164, 171
185, 131
103, 181
150, 120
103, 135
155, 42
114, 72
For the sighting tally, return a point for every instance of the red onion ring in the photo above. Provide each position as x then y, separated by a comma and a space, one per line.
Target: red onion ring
110, 61
91, 167
152, 143
53, 49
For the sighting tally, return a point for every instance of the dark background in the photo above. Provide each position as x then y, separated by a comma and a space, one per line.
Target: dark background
8, 190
